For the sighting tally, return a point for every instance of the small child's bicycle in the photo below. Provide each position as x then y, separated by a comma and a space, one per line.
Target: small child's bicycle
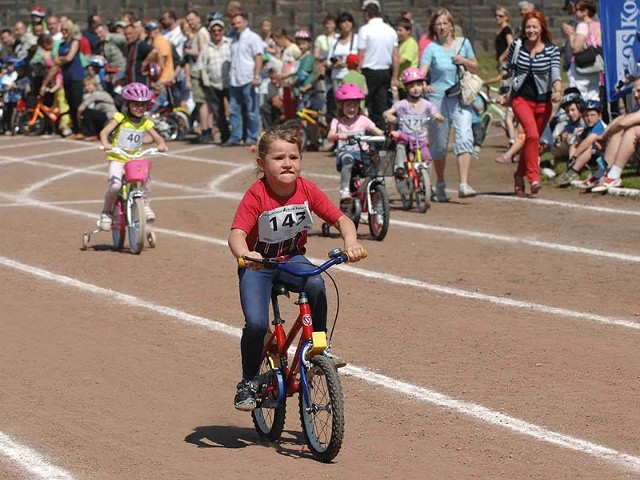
310, 374
414, 181
367, 185
128, 215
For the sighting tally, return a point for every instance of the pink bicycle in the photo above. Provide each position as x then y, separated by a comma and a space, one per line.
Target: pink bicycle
128, 212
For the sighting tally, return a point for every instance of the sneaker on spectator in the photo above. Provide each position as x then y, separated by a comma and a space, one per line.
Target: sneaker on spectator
606, 183
465, 191
441, 191
105, 222
66, 132
345, 195
590, 182
245, 398
149, 214
565, 178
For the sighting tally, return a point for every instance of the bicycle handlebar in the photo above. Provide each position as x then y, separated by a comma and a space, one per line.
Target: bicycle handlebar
336, 257
149, 152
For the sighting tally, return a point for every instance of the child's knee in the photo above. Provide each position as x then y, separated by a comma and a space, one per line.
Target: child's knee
115, 184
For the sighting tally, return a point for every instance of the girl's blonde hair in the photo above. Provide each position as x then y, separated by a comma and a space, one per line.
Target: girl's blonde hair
278, 133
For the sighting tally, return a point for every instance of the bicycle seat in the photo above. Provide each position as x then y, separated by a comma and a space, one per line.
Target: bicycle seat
279, 289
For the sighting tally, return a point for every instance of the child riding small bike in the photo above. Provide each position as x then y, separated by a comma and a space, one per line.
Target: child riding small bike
411, 113
129, 129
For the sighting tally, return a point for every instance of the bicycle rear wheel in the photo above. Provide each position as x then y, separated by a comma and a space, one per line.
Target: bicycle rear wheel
118, 225
268, 416
423, 193
323, 420
379, 218
137, 226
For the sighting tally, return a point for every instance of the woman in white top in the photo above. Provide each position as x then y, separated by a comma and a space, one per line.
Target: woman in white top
339, 48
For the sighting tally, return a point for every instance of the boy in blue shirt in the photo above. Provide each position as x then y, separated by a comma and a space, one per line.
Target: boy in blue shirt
586, 148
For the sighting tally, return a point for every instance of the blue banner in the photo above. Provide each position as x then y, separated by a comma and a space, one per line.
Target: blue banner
620, 20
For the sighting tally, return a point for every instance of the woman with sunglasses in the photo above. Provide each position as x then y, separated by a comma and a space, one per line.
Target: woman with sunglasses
504, 34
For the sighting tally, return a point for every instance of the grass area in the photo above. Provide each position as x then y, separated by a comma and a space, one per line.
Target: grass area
630, 174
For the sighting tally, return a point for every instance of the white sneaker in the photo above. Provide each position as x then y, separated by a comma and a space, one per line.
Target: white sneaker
345, 194
105, 222
149, 214
66, 132
465, 191
441, 193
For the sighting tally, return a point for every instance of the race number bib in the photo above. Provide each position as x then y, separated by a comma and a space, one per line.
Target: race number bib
130, 139
414, 125
284, 223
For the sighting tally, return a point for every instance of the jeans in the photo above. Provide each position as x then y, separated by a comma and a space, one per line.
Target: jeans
238, 96
255, 296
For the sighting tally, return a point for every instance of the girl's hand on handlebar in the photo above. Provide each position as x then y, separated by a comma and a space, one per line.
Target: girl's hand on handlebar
355, 252
245, 262
395, 134
438, 117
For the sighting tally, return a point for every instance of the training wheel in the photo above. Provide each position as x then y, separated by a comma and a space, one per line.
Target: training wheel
325, 229
151, 239
85, 241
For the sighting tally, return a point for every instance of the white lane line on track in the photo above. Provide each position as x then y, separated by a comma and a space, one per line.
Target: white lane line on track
233, 196
472, 410
30, 461
393, 279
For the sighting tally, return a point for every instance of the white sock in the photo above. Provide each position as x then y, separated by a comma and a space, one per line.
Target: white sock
615, 172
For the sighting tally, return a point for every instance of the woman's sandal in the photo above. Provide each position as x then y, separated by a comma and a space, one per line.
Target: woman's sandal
518, 189
535, 187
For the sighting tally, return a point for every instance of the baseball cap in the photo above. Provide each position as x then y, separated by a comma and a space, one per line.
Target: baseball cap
352, 60
151, 24
215, 22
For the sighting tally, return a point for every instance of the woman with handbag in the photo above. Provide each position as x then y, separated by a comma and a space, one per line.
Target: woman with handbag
585, 71
442, 58
530, 85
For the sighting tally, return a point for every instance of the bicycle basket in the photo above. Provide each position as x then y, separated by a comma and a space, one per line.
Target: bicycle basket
380, 160
137, 170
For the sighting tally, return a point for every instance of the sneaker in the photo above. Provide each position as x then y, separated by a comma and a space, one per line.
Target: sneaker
565, 178
548, 172
245, 398
441, 191
465, 191
336, 361
66, 132
590, 182
606, 183
399, 173
105, 221
230, 143
149, 214
345, 194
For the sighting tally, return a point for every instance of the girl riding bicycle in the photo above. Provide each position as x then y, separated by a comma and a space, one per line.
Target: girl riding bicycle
273, 220
349, 121
129, 130
411, 114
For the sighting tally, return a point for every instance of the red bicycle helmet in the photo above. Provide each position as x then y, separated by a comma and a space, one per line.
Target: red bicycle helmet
412, 74
136, 92
349, 91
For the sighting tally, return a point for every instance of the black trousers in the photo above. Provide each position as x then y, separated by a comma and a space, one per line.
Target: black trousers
378, 84
73, 92
93, 121
215, 100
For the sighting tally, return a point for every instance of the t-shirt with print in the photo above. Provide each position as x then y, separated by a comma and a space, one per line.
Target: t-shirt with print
128, 136
278, 226
361, 126
443, 71
412, 118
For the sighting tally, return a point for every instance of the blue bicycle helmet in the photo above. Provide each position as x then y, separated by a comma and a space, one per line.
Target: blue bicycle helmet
591, 105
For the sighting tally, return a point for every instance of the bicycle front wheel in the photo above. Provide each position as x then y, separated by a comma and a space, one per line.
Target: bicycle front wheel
118, 225
423, 193
323, 419
137, 226
268, 416
379, 216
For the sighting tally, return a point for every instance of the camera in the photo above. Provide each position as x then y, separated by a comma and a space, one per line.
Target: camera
334, 59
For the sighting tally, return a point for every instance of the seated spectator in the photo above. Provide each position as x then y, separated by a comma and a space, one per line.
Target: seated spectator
271, 109
564, 133
622, 136
96, 109
587, 147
